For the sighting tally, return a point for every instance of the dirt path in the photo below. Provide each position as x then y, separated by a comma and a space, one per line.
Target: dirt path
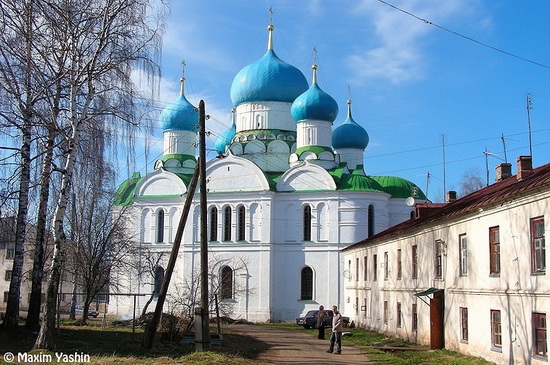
278, 346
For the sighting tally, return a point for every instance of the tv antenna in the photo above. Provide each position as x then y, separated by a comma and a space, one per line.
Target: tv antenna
487, 154
528, 104
504, 147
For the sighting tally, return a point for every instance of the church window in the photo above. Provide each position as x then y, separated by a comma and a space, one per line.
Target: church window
307, 284
159, 277
241, 224
307, 223
227, 224
227, 283
213, 224
160, 226
371, 221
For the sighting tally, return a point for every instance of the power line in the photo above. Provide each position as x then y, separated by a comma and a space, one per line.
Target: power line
463, 36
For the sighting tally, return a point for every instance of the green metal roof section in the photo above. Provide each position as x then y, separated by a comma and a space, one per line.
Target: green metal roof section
272, 179
398, 187
356, 182
315, 149
178, 157
125, 192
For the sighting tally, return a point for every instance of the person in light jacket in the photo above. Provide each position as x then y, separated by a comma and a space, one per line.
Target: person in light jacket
321, 323
336, 334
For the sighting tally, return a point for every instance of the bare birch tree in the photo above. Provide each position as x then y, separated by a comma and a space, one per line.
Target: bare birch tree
101, 41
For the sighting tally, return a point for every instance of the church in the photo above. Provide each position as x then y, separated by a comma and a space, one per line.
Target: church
286, 193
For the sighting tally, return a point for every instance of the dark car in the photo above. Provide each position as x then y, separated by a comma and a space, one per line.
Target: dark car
310, 319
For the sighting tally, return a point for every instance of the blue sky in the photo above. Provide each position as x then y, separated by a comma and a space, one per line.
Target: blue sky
413, 84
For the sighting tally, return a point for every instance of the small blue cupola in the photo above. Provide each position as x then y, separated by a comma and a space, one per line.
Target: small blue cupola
314, 104
350, 134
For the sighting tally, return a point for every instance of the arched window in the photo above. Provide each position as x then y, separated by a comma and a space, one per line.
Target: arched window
371, 221
307, 284
160, 226
227, 283
241, 224
227, 224
159, 277
307, 223
213, 224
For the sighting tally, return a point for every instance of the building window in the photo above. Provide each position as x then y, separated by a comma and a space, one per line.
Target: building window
10, 253
307, 284
227, 283
414, 273
6, 296
357, 269
386, 268
540, 344
399, 266
463, 252
496, 329
374, 267
371, 221
241, 223
464, 324
160, 226
227, 224
213, 224
356, 306
538, 249
349, 270
414, 318
7, 276
365, 272
438, 264
494, 249
398, 323
158, 279
385, 312
307, 223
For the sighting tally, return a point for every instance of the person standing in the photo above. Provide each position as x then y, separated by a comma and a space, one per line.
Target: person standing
336, 334
321, 323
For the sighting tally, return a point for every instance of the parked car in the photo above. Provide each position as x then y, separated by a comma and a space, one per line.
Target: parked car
78, 309
310, 319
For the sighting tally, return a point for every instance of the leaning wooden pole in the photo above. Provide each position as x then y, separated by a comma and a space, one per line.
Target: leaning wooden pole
151, 328
203, 344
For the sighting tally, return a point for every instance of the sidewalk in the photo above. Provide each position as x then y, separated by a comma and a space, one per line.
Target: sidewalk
295, 347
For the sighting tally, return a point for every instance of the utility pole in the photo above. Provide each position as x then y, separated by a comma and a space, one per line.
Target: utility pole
202, 329
151, 328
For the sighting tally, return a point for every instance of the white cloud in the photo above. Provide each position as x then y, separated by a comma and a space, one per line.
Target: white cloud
399, 54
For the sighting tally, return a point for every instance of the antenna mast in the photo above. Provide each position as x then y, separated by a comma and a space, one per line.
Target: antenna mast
504, 147
444, 180
528, 102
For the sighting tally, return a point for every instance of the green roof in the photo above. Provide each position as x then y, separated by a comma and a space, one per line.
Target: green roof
355, 182
125, 192
315, 149
398, 187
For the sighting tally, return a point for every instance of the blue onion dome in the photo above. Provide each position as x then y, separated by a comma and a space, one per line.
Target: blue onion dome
350, 134
180, 115
226, 137
268, 79
314, 104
